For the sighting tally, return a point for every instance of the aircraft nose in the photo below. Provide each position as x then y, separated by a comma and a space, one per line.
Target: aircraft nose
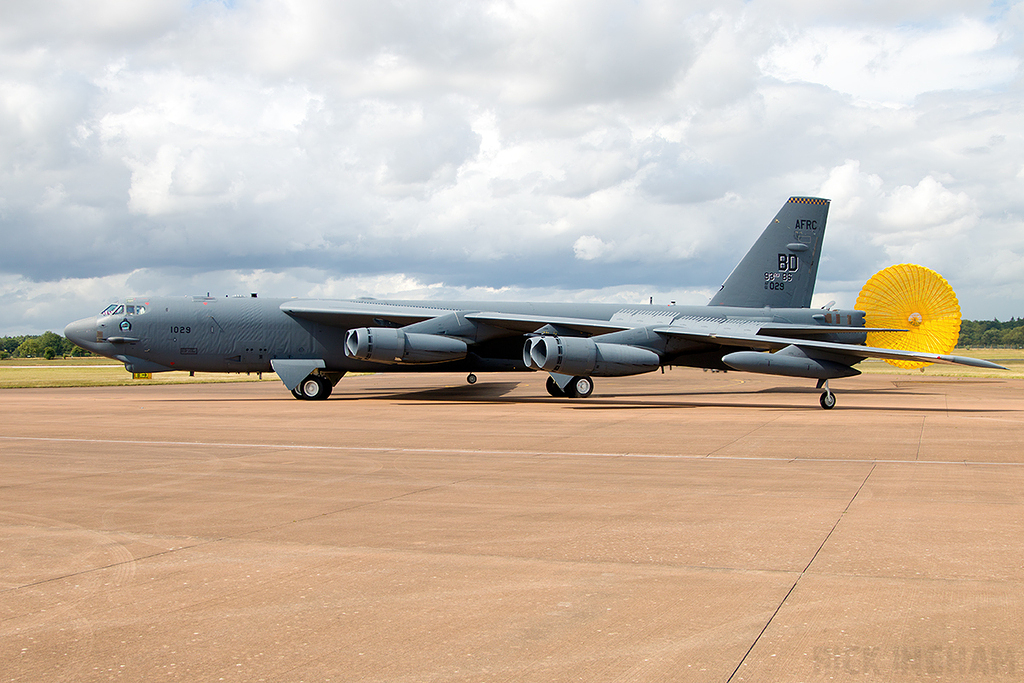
82, 332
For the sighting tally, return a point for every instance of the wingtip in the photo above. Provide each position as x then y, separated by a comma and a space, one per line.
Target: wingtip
976, 362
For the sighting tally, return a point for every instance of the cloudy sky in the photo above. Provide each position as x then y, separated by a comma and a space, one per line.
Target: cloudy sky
601, 150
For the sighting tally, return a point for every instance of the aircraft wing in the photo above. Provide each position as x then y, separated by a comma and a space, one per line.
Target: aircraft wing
357, 313
526, 324
853, 351
381, 313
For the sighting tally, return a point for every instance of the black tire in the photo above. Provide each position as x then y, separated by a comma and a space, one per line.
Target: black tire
471, 379
298, 394
827, 400
315, 388
579, 387
552, 386
328, 388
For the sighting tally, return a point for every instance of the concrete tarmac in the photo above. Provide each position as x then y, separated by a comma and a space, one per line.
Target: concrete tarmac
685, 526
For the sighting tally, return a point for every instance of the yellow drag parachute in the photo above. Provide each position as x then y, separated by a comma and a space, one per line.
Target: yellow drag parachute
914, 298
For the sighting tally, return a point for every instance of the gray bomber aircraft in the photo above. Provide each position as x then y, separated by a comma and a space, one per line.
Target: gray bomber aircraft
759, 321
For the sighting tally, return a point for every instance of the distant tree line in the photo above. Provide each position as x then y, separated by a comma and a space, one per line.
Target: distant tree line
48, 345
973, 334
992, 334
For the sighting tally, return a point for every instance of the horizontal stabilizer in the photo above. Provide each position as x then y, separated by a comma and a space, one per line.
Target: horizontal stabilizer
788, 328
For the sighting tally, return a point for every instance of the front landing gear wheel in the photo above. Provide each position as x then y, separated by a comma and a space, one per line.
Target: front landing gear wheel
471, 379
827, 400
579, 387
313, 388
552, 386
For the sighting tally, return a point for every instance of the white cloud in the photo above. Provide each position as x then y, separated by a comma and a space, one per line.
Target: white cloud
925, 206
850, 189
589, 248
550, 149
894, 64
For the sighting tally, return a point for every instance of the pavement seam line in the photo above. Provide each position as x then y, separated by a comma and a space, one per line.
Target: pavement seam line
364, 504
248, 533
920, 438
743, 436
110, 566
489, 451
492, 451
801, 574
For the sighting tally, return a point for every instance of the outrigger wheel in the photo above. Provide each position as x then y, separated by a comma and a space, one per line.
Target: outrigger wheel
914, 298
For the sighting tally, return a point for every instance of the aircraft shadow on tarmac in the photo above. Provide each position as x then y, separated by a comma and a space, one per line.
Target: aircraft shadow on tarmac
482, 392
499, 392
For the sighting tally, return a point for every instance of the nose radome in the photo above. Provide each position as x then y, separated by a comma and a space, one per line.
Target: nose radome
82, 332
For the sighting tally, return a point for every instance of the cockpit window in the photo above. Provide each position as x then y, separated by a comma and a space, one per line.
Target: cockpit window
121, 309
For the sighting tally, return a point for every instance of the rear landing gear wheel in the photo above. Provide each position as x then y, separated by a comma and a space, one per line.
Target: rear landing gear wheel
827, 400
552, 386
579, 387
471, 379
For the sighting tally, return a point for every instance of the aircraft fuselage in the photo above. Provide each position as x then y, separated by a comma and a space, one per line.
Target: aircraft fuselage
243, 334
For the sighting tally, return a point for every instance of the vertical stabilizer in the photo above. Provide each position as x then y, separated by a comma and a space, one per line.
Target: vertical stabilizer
780, 269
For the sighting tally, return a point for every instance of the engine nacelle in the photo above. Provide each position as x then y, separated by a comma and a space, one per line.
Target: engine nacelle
390, 345
587, 358
789, 362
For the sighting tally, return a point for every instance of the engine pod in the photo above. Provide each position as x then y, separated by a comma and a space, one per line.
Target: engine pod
586, 358
390, 345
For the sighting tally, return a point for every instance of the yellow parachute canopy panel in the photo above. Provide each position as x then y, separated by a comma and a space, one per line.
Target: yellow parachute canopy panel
914, 298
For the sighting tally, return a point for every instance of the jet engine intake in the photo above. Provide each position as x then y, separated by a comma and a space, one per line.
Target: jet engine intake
587, 358
390, 345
